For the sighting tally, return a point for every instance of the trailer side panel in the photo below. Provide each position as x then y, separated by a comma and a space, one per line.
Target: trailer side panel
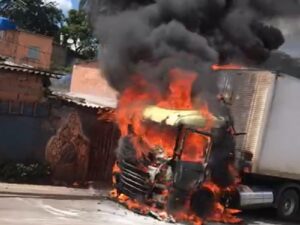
280, 150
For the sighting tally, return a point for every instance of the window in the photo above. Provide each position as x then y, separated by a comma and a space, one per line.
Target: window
33, 53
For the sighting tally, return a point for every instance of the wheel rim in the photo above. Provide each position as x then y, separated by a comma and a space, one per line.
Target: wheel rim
289, 206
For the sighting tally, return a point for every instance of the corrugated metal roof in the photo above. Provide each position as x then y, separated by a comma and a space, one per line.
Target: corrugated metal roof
96, 102
30, 70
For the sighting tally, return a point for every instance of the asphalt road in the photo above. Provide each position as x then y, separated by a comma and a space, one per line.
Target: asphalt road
37, 210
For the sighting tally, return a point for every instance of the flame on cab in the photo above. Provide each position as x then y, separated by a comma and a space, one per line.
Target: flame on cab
129, 117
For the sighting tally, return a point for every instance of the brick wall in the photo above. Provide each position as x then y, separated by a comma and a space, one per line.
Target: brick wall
88, 79
20, 87
8, 42
18, 44
43, 43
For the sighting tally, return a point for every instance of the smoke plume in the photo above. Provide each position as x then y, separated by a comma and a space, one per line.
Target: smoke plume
151, 36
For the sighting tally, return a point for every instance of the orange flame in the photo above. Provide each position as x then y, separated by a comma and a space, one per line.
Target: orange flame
217, 67
147, 136
220, 213
134, 99
179, 90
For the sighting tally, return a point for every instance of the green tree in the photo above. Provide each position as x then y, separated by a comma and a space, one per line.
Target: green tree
77, 34
7, 4
33, 15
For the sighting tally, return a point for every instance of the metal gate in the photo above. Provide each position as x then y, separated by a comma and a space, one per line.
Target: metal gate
102, 152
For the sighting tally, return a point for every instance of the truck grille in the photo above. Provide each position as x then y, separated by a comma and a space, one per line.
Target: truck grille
132, 181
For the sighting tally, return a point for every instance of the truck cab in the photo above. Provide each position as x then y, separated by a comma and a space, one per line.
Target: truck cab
149, 177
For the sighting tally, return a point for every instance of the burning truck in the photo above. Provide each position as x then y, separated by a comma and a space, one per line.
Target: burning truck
169, 160
196, 142
165, 153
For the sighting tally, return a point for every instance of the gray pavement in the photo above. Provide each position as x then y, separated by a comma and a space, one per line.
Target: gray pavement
40, 210
29, 210
48, 205
50, 191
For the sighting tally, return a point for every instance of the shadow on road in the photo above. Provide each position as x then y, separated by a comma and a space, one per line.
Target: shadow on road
265, 216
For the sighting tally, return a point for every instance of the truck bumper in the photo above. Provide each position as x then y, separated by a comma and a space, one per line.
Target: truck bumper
251, 197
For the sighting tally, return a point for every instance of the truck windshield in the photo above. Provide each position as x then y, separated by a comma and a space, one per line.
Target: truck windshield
195, 146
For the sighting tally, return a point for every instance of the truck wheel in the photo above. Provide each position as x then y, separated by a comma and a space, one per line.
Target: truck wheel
288, 204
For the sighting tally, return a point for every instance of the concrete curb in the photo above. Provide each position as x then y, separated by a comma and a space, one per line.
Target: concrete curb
51, 191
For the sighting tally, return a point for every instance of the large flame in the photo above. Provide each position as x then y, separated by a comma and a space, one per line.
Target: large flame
134, 100
129, 116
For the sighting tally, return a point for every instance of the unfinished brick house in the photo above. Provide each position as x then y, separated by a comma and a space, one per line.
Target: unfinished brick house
88, 81
63, 130
24, 47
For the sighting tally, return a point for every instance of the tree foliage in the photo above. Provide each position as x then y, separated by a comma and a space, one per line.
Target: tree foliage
45, 18
34, 15
77, 34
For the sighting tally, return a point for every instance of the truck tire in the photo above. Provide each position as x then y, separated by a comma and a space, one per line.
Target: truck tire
288, 204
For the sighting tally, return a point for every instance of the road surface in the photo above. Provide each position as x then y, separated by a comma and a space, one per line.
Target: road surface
24, 209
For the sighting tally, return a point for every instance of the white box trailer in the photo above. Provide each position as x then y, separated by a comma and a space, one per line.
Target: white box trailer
266, 107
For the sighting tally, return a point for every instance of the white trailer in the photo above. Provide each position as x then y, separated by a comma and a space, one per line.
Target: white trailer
266, 108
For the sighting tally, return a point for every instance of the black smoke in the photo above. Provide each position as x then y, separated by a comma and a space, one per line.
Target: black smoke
275, 8
151, 36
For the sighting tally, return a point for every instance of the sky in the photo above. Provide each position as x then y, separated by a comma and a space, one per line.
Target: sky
66, 5
290, 28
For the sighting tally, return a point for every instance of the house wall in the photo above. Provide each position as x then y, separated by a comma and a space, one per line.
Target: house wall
30, 123
23, 138
17, 86
77, 150
44, 43
16, 45
8, 46
23, 114
87, 78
